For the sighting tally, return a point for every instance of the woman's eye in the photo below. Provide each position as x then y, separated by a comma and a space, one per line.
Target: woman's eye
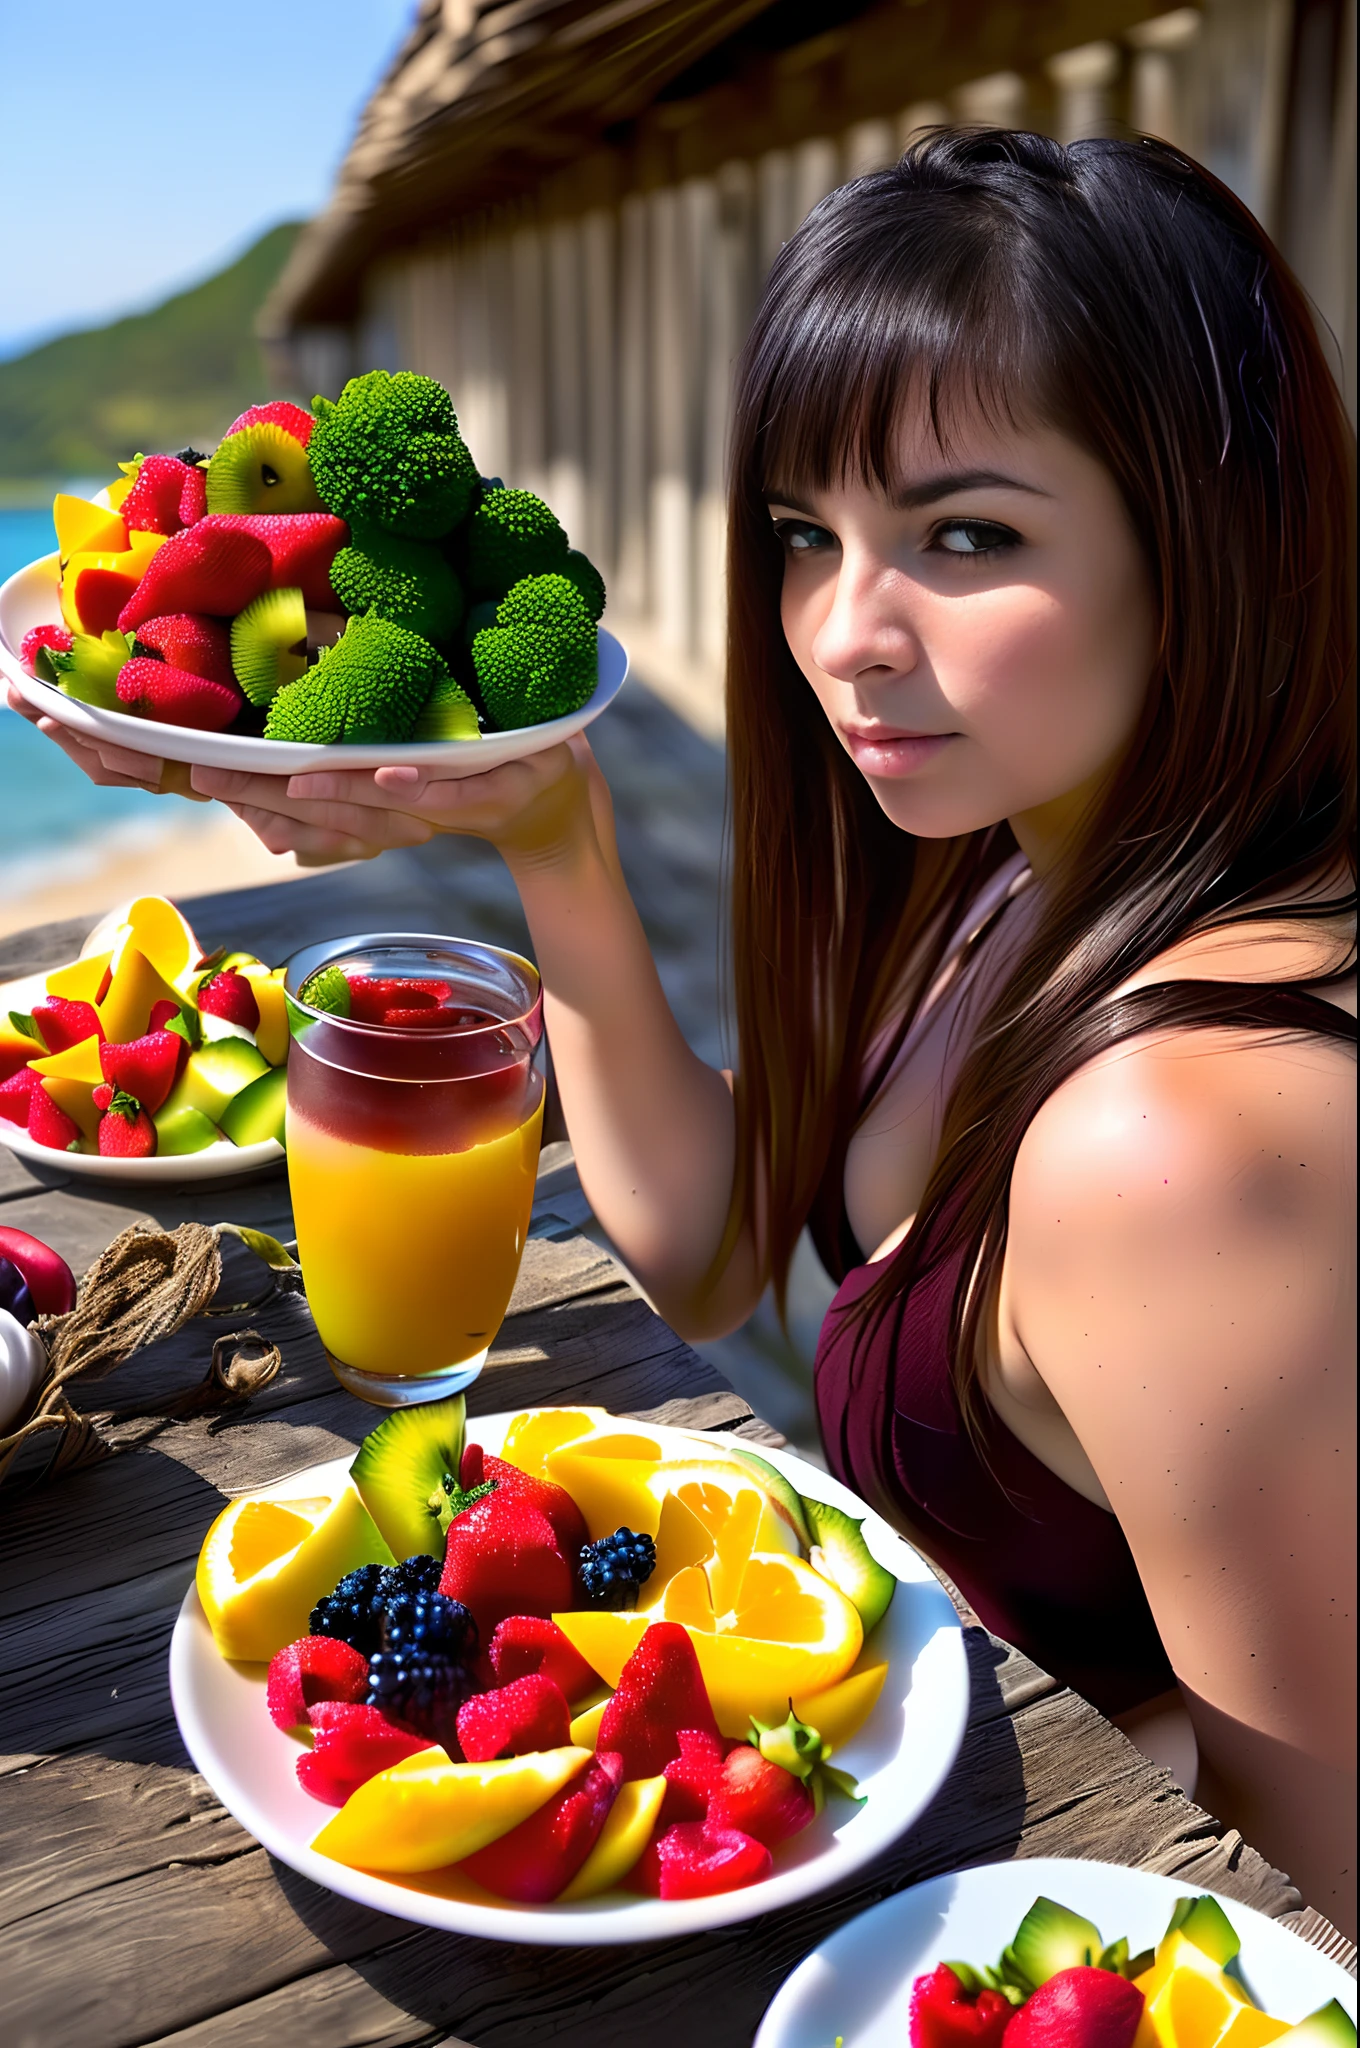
974, 537
800, 535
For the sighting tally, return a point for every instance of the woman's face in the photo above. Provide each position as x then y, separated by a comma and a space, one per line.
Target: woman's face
981, 642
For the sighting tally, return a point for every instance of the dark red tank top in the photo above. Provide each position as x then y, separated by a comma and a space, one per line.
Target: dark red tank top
1040, 1564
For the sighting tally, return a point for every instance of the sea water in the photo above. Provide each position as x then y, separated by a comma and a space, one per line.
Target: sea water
53, 822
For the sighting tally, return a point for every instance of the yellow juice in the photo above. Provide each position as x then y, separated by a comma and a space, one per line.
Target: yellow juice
409, 1259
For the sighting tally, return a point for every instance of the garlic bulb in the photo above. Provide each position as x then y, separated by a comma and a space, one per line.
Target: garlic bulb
22, 1364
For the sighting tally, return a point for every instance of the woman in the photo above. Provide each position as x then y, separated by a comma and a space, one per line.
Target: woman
1041, 753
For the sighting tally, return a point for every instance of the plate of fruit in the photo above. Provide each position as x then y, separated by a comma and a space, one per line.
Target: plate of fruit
329, 587
145, 1059
561, 1677
1053, 1953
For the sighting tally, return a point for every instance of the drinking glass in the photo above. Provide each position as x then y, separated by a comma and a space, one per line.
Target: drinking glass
412, 1154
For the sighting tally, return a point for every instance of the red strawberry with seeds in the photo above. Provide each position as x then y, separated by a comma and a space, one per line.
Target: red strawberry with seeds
550, 1500
175, 696
529, 1644
193, 499
62, 1024
161, 1014
125, 1129
48, 1124
313, 1669
660, 1691
694, 1859
144, 1067
944, 2015
208, 568
351, 1743
103, 1095
280, 412
505, 1557
530, 1714
539, 1858
1077, 2008
14, 1096
191, 640
55, 637
759, 1798
229, 995
153, 503
693, 1776
301, 545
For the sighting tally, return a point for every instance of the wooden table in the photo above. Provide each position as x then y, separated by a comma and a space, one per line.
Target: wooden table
133, 1909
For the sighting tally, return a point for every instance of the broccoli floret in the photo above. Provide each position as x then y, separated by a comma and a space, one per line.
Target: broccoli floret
368, 688
580, 570
407, 581
511, 535
449, 714
388, 453
539, 660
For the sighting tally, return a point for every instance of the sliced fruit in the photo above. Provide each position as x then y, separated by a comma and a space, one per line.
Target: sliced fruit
616, 1488
946, 2015
68, 1078
271, 1033
1052, 1938
530, 1713
1203, 1921
84, 527
97, 583
625, 1834
312, 1669
352, 1742
504, 1556
1192, 2011
152, 926
1175, 1951
585, 1729
265, 1563
527, 1643
533, 1435
660, 1691
182, 1129
90, 669
16, 1050
1082, 2005
256, 1114
784, 1495
841, 1710
536, 1860
840, 1553
82, 981
261, 468
1329, 2027
214, 1074
448, 714
401, 1469
694, 1859
428, 1811
269, 643
134, 985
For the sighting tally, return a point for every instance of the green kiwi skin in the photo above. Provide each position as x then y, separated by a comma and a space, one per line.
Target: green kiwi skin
845, 1560
401, 1463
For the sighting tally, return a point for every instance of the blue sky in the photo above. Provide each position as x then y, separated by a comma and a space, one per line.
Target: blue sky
144, 142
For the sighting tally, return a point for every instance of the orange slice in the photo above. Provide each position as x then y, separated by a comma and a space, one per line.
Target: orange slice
265, 1564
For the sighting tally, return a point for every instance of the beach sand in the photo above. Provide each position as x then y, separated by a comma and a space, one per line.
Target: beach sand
183, 860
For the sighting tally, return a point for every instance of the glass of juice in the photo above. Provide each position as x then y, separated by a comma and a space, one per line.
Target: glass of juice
414, 1115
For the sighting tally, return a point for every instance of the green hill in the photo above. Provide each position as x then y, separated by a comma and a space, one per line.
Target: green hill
79, 405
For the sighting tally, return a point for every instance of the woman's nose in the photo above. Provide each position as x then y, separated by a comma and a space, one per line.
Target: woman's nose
867, 635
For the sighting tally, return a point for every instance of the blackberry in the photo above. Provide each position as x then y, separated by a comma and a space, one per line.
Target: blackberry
419, 1574
424, 1669
616, 1568
191, 456
353, 1612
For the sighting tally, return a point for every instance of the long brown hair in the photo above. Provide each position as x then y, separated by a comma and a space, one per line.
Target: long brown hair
1116, 291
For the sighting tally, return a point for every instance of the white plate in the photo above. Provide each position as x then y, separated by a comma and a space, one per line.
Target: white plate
29, 599
858, 1983
901, 1758
221, 1161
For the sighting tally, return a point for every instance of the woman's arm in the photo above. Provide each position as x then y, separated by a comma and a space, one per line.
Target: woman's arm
1180, 1272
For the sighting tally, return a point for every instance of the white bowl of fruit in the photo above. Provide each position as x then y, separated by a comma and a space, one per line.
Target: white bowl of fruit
337, 587
576, 1680
145, 1059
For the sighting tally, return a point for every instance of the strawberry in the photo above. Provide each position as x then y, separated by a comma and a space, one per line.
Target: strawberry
193, 499
144, 1067
103, 1095
539, 1858
351, 1744
553, 1501
55, 637
1078, 2008
694, 1859
62, 1024
208, 567
14, 1095
312, 1669
371, 997
49, 1125
944, 2015
190, 640
230, 996
532, 1713
302, 546
759, 1798
693, 1776
660, 1691
525, 1644
161, 1014
174, 696
278, 413
153, 503
125, 1129
505, 1557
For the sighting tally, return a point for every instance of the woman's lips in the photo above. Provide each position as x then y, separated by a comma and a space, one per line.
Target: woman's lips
888, 750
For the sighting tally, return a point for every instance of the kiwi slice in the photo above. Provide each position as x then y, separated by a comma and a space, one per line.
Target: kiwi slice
784, 1497
401, 1469
449, 714
269, 643
840, 1553
261, 469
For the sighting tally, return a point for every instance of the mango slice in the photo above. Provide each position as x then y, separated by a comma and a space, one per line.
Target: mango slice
622, 1839
428, 1811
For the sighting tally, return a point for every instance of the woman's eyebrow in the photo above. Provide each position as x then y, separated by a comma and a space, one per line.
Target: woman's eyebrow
911, 497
